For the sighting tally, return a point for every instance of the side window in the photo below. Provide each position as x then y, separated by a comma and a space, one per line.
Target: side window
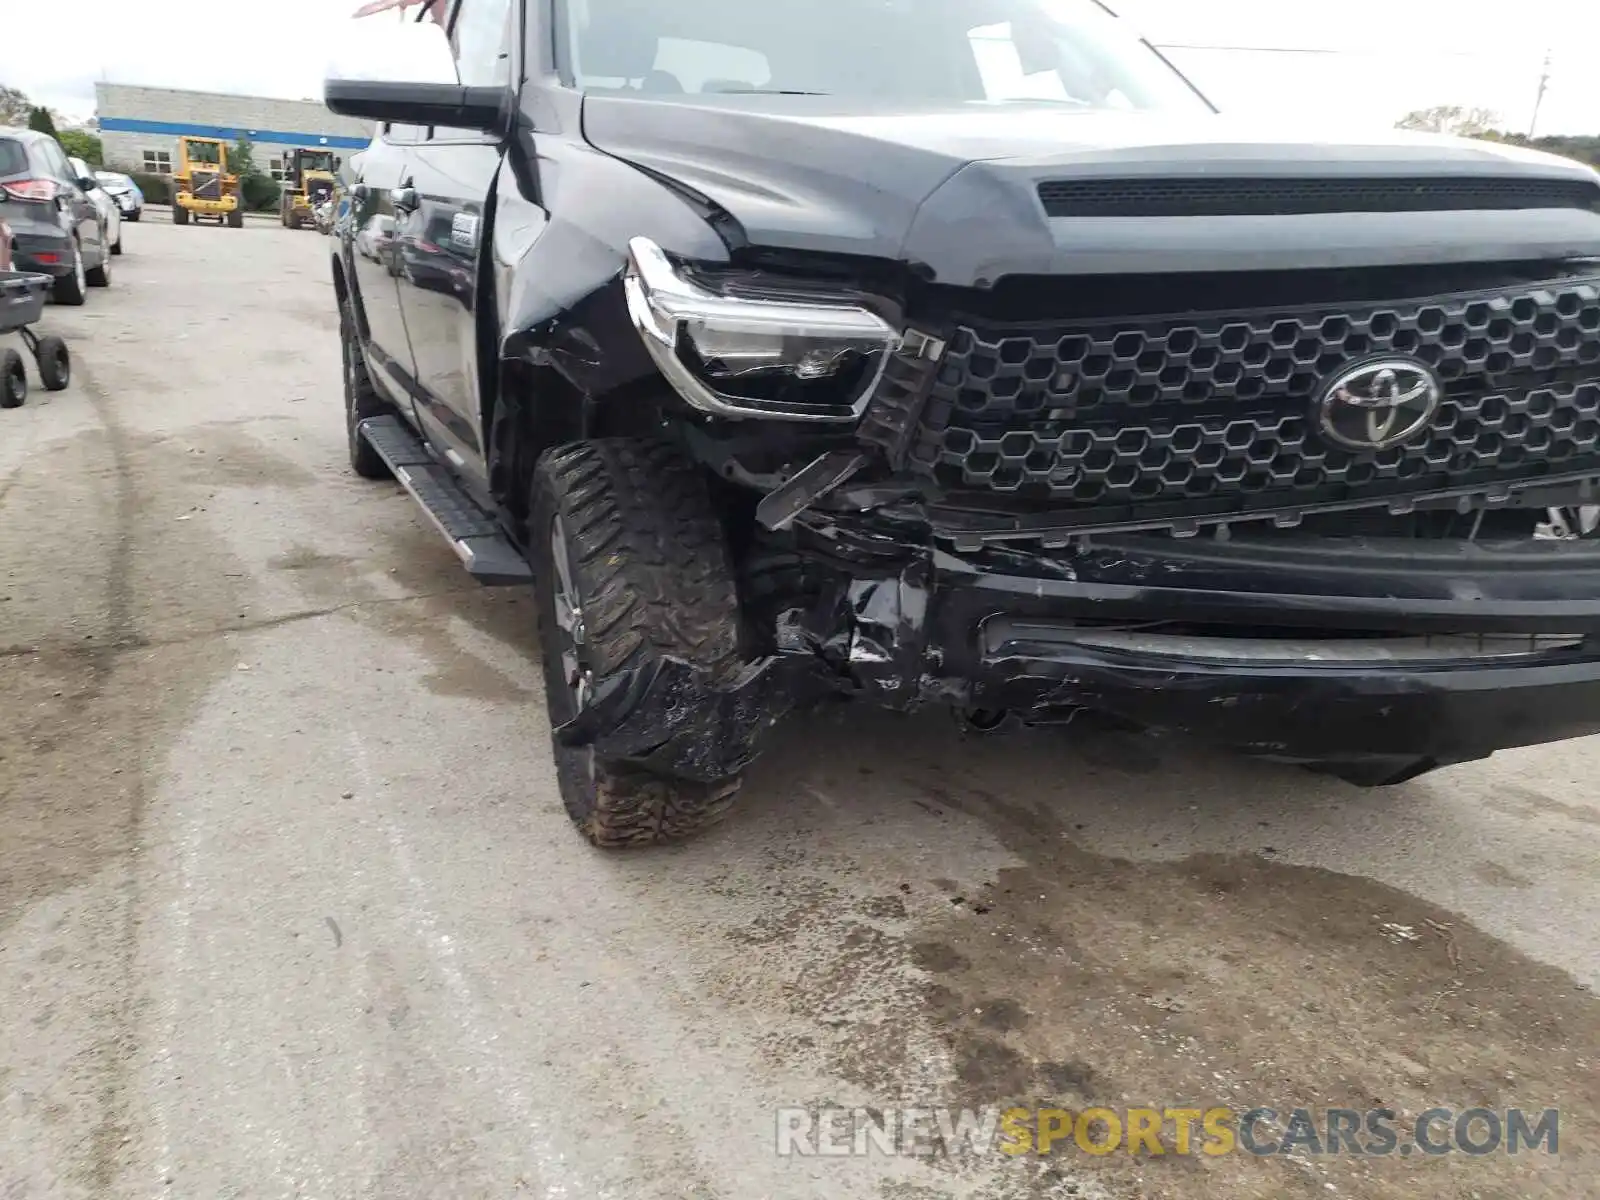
480, 35
59, 166
480, 38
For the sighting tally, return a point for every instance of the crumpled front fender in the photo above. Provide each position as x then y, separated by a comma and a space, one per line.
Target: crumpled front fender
672, 718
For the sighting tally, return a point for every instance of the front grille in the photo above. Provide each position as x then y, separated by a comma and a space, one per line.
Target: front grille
1199, 407
206, 185
1238, 197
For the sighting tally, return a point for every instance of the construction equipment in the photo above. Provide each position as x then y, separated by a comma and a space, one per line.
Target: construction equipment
202, 186
309, 181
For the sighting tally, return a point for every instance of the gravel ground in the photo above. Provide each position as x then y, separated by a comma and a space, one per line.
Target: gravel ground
289, 906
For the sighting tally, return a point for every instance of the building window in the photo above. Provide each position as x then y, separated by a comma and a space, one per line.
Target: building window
157, 162
275, 168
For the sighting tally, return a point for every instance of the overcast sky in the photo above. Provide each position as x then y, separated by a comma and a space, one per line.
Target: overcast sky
1396, 54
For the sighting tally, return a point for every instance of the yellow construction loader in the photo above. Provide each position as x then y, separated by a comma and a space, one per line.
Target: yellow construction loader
201, 185
309, 180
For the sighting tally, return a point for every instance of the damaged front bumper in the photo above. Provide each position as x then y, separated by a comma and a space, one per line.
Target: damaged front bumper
1371, 659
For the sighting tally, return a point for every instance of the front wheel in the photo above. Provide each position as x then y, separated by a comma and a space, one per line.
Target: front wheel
180, 215
631, 568
100, 276
236, 219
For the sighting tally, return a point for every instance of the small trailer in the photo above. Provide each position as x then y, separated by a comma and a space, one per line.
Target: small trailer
22, 296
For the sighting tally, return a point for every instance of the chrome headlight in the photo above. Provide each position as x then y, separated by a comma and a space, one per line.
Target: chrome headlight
755, 356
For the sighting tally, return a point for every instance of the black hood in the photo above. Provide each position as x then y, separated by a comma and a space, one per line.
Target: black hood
958, 190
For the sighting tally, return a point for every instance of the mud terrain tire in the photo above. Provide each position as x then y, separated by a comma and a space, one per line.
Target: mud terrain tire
648, 568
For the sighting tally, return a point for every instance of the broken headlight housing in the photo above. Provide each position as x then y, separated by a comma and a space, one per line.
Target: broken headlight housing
789, 358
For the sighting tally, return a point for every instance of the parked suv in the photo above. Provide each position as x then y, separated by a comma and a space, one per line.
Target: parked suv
57, 228
970, 358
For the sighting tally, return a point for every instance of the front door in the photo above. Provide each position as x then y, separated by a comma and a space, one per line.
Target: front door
80, 214
376, 258
443, 239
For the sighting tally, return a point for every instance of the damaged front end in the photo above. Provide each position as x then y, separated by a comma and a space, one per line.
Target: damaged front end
1222, 523
672, 718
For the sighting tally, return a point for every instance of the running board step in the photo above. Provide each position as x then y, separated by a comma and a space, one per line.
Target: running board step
483, 549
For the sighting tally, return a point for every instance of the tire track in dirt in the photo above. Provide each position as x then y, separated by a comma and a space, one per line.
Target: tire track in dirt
93, 705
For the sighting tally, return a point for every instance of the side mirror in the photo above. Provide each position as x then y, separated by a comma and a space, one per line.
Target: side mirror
88, 183
406, 74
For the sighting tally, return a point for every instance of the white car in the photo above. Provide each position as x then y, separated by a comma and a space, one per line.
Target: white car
124, 191
110, 211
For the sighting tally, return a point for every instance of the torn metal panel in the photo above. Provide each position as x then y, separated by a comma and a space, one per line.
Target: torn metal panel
672, 718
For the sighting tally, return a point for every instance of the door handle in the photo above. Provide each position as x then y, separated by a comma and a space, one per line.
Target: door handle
403, 199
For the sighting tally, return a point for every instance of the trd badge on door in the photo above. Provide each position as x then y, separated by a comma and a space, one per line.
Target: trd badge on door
464, 230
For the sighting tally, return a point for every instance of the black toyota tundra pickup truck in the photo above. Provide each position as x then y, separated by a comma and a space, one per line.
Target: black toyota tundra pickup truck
958, 352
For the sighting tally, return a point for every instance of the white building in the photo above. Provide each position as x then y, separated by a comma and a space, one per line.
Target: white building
140, 126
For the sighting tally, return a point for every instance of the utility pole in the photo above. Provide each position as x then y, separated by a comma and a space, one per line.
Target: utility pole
1544, 86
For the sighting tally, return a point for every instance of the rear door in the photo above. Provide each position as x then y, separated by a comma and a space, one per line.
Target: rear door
375, 259
80, 209
443, 234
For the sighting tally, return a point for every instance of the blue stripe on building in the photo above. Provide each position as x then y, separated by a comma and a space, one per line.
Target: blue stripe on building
228, 134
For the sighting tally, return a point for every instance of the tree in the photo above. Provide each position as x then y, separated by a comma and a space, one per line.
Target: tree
1584, 149
40, 121
15, 108
242, 159
259, 190
82, 145
1452, 119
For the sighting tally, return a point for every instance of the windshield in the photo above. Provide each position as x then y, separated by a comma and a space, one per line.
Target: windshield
1070, 52
316, 160
207, 153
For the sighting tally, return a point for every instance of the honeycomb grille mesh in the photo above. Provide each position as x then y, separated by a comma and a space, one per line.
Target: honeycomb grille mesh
1214, 405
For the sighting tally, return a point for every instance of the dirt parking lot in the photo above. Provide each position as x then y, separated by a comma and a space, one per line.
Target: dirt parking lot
289, 906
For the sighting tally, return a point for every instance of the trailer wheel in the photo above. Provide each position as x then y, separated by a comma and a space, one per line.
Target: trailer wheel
55, 363
13, 380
